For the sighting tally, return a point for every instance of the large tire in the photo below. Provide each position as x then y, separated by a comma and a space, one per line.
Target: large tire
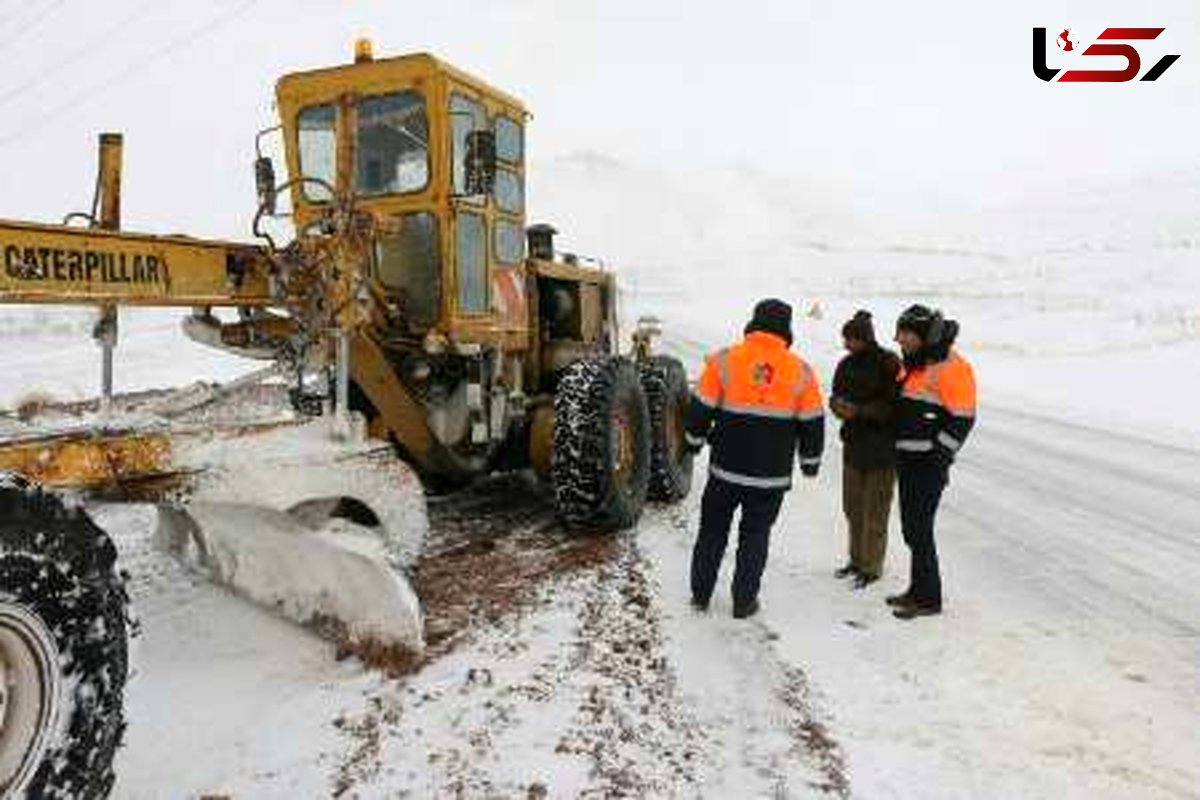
600, 464
664, 381
63, 649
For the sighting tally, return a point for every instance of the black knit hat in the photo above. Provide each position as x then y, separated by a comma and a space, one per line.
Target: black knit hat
859, 327
772, 316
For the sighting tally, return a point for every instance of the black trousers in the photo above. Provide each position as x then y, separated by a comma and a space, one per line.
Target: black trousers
921, 480
760, 507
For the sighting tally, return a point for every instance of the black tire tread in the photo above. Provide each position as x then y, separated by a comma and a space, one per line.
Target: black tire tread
57, 562
580, 465
664, 381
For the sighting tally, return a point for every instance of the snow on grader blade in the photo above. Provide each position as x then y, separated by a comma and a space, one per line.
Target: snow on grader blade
319, 530
316, 528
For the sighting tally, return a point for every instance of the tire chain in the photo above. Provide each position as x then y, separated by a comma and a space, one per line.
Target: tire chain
576, 464
665, 485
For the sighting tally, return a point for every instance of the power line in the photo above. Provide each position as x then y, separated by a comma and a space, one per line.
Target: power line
90, 92
75, 55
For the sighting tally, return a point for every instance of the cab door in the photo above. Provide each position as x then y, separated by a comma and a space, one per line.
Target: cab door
488, 229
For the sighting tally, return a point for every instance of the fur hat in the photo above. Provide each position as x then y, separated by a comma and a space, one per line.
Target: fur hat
923, 321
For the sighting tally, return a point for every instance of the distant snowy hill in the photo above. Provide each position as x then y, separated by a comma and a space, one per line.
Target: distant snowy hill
1058, 290
1080, 271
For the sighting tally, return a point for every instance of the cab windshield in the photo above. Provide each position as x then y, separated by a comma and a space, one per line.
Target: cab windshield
393, 145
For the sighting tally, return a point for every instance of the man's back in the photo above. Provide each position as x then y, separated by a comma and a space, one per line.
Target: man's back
755, 402
762, 400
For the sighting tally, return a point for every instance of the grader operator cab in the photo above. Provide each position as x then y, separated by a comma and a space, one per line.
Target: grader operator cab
412, 300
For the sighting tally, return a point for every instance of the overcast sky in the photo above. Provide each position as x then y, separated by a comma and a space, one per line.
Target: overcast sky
913, 100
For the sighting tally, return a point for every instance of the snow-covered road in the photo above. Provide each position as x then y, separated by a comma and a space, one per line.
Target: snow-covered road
1066, 663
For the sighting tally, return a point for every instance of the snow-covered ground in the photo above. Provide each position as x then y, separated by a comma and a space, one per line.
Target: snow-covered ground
1066, 663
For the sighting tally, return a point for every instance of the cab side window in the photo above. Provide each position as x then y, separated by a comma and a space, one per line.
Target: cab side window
472, 275
509, 190
466, 115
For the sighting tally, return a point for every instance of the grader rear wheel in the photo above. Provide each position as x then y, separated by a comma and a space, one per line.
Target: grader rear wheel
667, 395
600, 464
63, 649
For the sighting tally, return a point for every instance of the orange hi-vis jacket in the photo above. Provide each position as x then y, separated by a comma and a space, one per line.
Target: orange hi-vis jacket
936, 410
757, 404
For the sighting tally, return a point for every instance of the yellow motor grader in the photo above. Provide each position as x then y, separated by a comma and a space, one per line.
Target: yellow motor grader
411, 314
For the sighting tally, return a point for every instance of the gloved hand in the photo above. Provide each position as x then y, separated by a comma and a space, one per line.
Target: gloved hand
810, 470
842, 409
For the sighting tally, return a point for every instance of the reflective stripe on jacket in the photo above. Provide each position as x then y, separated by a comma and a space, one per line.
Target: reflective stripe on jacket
937, 408
757, 403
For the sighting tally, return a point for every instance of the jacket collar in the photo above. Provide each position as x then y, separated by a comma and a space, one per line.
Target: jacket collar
927, 357
767, 339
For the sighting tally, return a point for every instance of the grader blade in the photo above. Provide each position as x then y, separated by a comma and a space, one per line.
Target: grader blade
337, 580
320, 531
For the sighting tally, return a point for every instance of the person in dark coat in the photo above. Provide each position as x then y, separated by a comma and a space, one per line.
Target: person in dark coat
865, 390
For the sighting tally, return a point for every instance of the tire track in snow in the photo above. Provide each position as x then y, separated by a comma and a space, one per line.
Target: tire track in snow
631, 716
573, 698
768, 732
588, 690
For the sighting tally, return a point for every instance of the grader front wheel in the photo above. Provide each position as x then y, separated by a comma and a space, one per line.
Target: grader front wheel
63, 649
600, 465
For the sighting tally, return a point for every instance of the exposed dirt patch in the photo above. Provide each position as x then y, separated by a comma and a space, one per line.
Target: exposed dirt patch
812, 739
362, 761
631, 715
492, 548
588, 680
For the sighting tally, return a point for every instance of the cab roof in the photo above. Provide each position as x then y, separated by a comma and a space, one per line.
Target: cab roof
377, 68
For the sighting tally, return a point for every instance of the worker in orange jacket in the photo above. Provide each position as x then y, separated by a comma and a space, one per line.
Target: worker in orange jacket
934, 415
757, 405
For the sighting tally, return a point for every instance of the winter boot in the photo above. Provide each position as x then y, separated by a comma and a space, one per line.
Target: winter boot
864, 580
744, 610
913, 610
845, 571
900, 600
